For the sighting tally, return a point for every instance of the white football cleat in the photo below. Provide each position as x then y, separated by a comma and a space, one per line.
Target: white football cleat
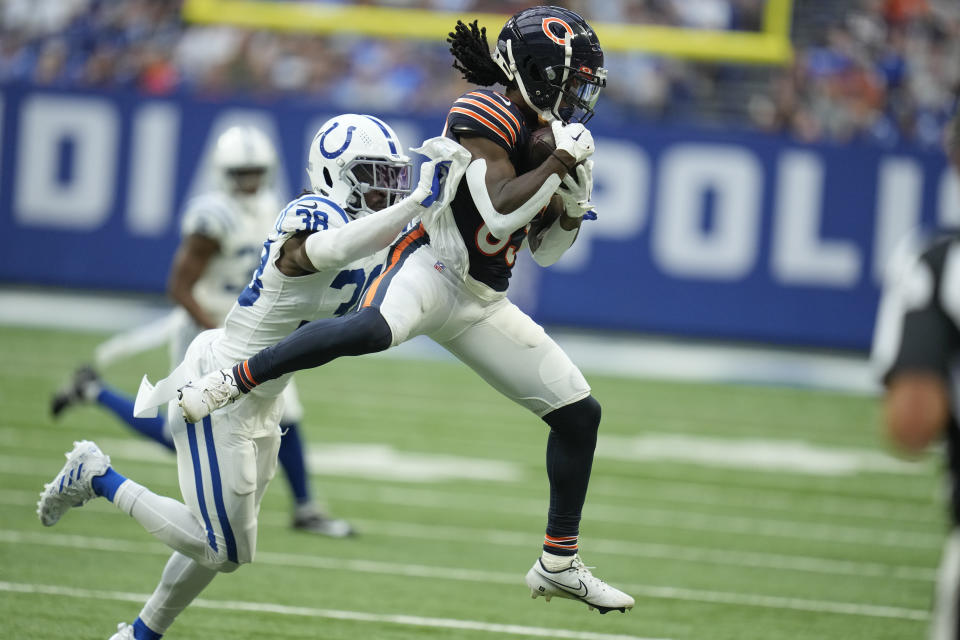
576, 583
73, 485
124, 632
211, 392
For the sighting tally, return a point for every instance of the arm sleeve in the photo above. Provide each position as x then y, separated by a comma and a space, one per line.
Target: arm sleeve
502, 225
337, 246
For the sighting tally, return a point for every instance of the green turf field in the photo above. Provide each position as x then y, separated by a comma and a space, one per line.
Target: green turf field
825, 539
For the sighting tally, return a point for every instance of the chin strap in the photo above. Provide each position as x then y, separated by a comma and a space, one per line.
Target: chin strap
502, 225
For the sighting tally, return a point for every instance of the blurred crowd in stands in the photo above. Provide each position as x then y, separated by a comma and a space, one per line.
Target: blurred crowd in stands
882, 71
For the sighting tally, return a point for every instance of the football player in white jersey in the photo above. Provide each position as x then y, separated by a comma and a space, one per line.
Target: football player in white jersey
221, 234
447, 277
324, 247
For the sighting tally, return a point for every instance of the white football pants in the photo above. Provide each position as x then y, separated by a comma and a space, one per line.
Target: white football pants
491, 335
223, 476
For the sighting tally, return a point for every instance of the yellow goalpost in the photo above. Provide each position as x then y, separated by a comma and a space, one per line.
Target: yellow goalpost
770, 46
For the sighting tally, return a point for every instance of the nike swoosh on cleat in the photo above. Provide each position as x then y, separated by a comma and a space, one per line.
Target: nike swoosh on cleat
573, 592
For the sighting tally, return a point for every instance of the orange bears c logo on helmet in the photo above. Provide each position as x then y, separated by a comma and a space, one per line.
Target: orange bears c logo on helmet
547, 22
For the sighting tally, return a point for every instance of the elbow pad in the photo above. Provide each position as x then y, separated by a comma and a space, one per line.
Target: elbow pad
501, 225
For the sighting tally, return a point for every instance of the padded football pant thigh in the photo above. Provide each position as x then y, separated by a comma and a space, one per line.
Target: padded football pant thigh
223, 476
517, 358
945, 621
182, 580
414, 298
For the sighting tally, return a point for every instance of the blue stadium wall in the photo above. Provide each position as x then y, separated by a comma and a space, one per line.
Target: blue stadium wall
700, 233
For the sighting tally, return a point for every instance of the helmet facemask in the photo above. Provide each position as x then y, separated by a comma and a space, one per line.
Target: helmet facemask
246, 181
578, 94
375, 184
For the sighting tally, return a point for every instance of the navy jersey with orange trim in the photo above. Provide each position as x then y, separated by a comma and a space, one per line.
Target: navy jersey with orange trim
487, 114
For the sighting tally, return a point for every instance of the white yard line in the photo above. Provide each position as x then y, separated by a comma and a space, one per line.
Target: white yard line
639, 516
332, 614
648, 550
912, 509
480, 576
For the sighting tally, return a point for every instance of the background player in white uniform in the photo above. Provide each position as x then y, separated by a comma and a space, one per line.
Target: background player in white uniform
222, 235
916, 353
447, 277
314, 264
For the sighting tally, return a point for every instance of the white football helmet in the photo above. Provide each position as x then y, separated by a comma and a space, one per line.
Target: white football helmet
358, 162
243, 160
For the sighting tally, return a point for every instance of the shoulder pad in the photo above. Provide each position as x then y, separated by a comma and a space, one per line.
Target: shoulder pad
491, 115
208, 215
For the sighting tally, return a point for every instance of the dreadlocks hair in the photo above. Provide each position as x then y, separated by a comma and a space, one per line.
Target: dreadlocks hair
468, 44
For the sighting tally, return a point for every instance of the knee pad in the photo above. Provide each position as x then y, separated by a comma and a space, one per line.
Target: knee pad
227, 567
217, 562
581, 417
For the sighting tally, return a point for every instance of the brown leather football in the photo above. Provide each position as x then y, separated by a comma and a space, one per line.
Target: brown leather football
539, 147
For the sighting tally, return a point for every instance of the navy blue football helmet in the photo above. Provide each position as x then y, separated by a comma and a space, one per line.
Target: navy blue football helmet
555, 58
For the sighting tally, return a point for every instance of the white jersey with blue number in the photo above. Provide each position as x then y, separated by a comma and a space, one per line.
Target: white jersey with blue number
238, 224
273, 305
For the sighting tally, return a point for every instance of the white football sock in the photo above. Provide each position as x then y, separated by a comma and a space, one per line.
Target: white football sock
553, 562
171, 522
182, 580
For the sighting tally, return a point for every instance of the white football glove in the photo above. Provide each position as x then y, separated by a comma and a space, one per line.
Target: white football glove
575, 193
574, 138
441, 174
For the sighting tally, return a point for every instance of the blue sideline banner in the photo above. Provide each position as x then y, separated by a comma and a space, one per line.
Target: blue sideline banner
700, 233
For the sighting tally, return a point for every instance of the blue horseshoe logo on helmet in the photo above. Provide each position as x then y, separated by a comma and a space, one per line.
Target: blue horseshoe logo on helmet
346, 143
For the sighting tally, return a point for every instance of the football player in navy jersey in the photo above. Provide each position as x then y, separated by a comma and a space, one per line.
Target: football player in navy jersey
446, 277
916, 354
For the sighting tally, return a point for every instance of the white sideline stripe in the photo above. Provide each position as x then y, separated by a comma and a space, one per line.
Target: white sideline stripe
334, 614
481, 576
649, 550
601, 352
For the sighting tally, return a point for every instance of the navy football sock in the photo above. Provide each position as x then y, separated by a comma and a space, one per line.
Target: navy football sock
570, 446
107, 484
142, 632
293, 462
122, 406
317, 343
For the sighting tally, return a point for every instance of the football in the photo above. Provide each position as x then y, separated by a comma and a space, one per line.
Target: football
539, 148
